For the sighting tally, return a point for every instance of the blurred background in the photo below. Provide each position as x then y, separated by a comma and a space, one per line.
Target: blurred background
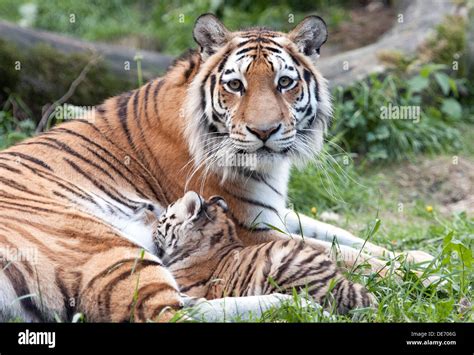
405, 180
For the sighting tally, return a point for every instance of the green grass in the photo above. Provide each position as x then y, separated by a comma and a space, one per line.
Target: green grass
363, 194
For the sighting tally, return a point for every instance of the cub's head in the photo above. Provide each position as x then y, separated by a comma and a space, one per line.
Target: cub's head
258, 101
193, 227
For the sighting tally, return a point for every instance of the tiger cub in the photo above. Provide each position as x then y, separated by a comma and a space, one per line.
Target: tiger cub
198, 243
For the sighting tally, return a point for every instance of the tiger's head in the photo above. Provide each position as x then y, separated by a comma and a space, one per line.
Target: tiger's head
193, 226
258, 97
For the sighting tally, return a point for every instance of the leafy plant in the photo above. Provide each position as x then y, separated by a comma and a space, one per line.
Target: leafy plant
13, 131
394, 117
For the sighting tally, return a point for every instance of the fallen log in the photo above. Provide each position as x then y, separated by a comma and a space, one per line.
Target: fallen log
119, 59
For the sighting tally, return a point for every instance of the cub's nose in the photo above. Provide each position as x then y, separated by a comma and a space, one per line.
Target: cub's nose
263, 133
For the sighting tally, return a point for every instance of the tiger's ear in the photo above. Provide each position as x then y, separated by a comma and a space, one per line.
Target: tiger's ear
210, 34
310, 35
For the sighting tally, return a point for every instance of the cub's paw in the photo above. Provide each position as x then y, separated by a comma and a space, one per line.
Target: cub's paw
189, 301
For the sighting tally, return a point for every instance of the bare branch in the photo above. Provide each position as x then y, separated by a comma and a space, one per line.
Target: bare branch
72, 89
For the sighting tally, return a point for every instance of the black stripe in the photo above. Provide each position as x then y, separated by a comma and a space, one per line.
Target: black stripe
11, 169
19, 284
287, 261
245, 50
15, 185
260, 178
136, 96
196, 284
221, 65
66, 296
30, 158
34, 208
308, 270
307, 75
252, 264
212, 87
155, 96
190, 69
107, 152
118, 197
250, 228
296, 61
72, 152
55, 179
252, 201
147, 92
272, 49
122, 113
203, 93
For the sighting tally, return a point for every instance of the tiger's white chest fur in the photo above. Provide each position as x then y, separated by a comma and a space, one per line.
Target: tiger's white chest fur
263, 197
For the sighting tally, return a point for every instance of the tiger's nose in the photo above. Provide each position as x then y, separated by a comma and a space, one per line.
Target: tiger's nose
265, 133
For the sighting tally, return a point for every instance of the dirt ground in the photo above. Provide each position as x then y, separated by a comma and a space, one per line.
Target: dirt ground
366, 25
447, 181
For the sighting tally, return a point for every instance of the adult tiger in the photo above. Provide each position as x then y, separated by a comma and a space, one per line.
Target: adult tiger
81, 194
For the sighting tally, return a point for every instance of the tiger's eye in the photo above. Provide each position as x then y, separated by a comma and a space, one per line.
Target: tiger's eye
285, 82
235, 85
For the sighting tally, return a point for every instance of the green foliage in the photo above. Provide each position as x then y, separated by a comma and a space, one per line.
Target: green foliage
394, 117
13, 131
91, 20
448, 42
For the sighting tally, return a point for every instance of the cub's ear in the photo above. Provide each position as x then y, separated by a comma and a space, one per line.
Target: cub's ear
310, 35
192, 204
210, 34
220, 201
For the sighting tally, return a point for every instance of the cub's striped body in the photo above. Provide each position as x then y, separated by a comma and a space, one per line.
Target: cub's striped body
199, 244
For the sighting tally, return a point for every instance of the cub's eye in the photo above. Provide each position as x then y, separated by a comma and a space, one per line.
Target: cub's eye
235, 85
285, 82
